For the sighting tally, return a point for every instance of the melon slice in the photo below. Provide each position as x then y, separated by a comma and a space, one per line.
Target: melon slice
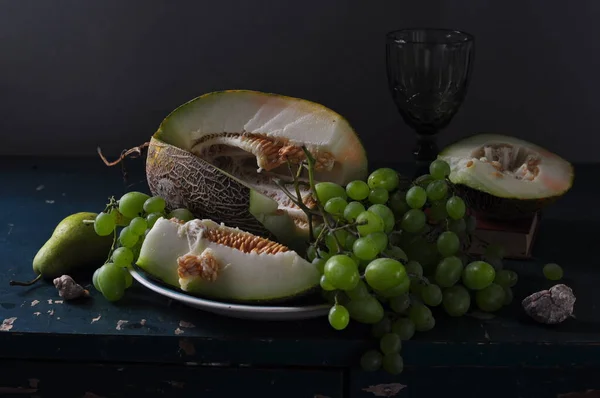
506, 177
218, 154
212, 260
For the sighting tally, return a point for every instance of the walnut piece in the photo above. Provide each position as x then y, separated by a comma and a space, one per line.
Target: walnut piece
68, 288
550, 306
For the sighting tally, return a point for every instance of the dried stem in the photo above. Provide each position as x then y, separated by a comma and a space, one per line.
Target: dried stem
133, 152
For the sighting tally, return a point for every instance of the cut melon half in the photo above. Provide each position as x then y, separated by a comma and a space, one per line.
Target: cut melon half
211, 260
218, 155
504, 176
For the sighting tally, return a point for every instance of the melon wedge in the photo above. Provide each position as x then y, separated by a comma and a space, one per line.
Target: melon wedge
218, 155
507, 177
212, 260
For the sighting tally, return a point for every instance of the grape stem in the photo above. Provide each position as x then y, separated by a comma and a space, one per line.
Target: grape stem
17, 283
112, 247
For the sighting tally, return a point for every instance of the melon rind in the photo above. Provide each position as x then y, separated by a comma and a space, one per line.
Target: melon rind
244, 277
508, 203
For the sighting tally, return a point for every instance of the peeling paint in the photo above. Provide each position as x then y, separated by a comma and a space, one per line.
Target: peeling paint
187, 325
7, 324
585, 394
58, 301
120, 324
37, 313
35, 302
178, 331
50, 312
96, 319
143, 322
187, 347
49, 201
385, 390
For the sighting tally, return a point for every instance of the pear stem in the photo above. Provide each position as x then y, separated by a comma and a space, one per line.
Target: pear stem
17, 283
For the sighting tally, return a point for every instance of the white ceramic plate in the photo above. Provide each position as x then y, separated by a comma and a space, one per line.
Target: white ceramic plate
241, 311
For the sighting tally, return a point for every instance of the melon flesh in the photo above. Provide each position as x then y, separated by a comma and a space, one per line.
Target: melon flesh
507, 167
211, 260
219, 154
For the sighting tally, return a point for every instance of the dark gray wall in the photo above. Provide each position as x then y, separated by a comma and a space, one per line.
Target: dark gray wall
76, 74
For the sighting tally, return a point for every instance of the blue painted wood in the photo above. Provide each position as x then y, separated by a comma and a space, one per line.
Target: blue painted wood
37, 193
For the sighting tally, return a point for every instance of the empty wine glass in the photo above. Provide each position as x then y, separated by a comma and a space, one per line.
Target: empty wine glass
428, 74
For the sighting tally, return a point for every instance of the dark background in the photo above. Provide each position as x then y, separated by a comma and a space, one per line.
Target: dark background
75, 74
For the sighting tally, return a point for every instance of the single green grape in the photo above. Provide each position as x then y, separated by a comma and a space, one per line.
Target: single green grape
152, 218
456, 300
352, 211
448, 243
138, 225
393, 363
399, 304
181, 214
384, 178
416, 197
396, 253
422, 317
131, 204
553, 272
439, 169
378, 196
357, 190
390, 343
381, 328
478, 275
424, 180
122, 256
365, 248
413, 221
369, 222
319, 264
342, 272
104, 224
438, 211
457, 226
448, 271
359, 292
397, 202
404, 327
311, 253
414, 268
491, 298
325, 285
368, 310
456, 208
437, 190
505, 278
128, 238
386, 214
385, 273
380, 239
339, 317
95, 279
336, 206
111, 281
432, 295
371, 361
327, 190
155, 204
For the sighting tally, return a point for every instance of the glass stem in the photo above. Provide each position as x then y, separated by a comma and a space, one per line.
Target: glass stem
425, 152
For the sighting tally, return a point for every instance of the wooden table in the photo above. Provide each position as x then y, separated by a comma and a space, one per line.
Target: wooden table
138, 346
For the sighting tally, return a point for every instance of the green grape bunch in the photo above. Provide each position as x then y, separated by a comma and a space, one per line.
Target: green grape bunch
128, 219
392, 253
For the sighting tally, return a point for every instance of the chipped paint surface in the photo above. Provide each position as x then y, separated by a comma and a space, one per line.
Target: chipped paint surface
58, 301
385, 390
96, 319
37, 313
187, 325
178, 331
7, 324
143, 322
35, 302
120, 324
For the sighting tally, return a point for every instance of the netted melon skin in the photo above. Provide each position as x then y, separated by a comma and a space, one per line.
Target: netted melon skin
186, 181
494, 208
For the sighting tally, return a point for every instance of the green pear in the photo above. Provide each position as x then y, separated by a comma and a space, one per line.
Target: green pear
73, 246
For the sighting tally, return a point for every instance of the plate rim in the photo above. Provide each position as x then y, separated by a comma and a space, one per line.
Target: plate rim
219, 305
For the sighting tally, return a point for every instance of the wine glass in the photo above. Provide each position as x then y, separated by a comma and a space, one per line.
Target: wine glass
428, 74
